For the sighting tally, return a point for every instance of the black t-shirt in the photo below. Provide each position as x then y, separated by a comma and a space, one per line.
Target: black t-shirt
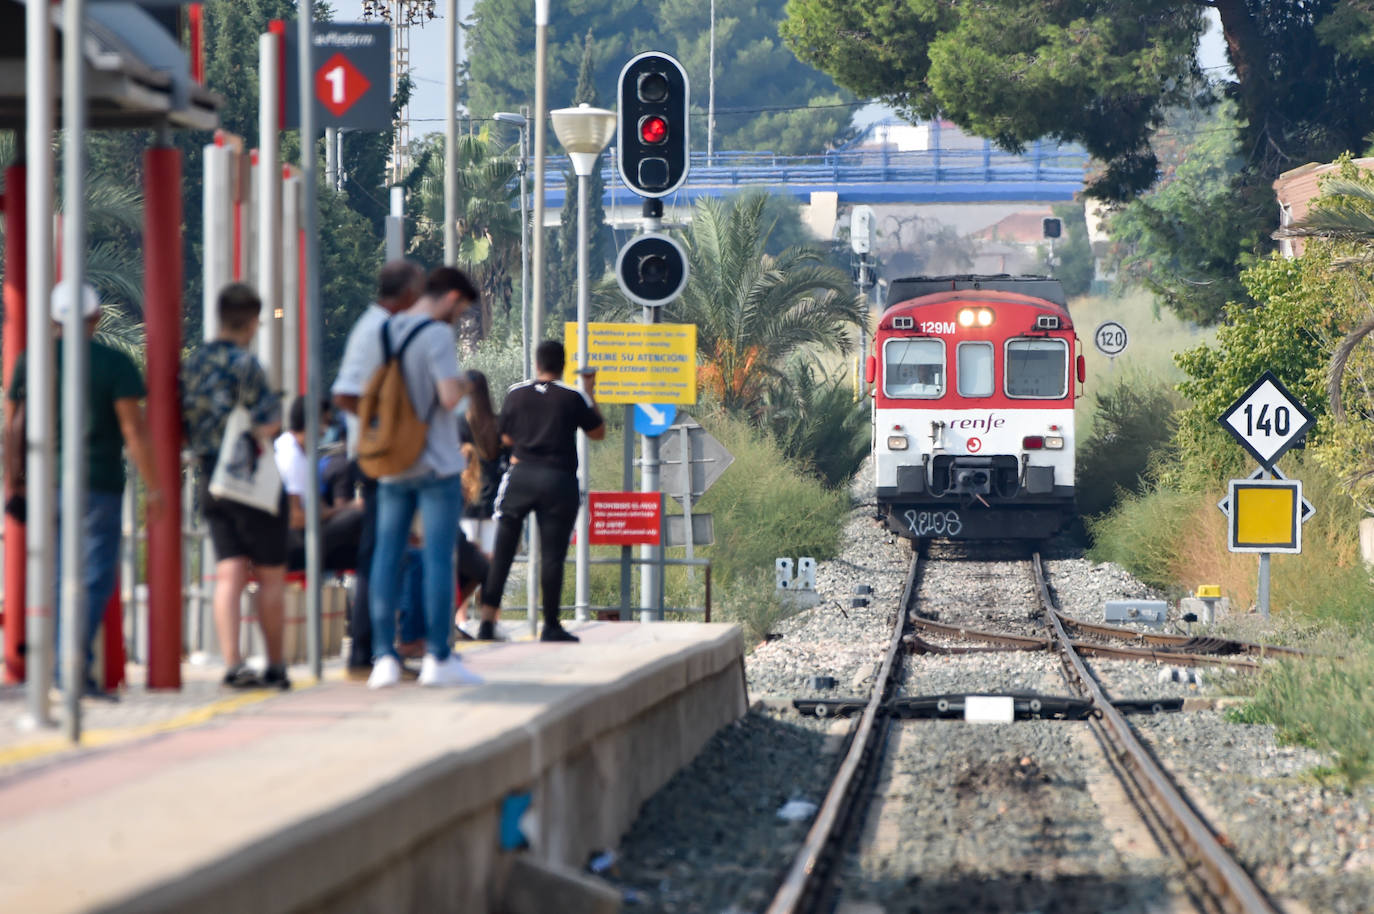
542, 419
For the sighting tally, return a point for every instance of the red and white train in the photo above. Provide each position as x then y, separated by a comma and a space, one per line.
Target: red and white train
973, 433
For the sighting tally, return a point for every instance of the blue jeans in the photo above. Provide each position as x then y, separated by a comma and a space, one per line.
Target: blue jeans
412, 596
440, 501
100, 536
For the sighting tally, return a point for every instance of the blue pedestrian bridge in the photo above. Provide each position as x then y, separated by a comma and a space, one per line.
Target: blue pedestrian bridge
1045, 172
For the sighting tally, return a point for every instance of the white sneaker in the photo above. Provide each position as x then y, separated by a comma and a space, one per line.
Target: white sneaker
386, 672
448, 672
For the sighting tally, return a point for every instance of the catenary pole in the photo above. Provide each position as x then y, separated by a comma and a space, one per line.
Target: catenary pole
451, 132
541, 111
269, 206
40, 424
710, 103
313, 329
75, 357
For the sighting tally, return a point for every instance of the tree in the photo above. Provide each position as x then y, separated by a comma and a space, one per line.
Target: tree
753, 311
1188, 238
1106, 73
765, 98
1073, 256
488, 220
1344, 217
563, 285
818, 421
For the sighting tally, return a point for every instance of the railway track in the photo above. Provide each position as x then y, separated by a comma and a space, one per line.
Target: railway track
1214, 880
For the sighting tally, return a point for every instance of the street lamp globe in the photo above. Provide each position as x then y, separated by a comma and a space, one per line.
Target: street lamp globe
584, 132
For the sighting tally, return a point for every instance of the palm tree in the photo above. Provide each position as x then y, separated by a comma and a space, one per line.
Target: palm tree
488, 217
114, 266
818, 420
754, 310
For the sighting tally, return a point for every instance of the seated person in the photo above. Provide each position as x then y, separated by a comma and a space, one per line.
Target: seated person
341, 521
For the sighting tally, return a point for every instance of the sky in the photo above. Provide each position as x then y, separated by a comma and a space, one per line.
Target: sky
427, 65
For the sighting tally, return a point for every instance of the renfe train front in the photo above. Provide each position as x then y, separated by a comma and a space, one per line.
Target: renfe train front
973, 434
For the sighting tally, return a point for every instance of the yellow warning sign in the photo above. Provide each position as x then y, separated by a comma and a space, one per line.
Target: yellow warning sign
638, 363
1265, 515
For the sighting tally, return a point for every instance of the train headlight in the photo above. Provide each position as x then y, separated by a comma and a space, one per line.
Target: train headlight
897, 442
1054, 442
967, 317
984, 317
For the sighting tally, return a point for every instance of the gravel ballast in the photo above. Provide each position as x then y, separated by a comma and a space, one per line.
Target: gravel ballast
712, 840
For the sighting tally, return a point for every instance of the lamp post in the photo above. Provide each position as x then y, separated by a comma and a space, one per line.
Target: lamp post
584, 132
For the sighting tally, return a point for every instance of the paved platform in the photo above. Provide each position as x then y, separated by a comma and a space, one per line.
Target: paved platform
337, 798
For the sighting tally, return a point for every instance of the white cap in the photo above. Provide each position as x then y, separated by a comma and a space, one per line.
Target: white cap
62, 295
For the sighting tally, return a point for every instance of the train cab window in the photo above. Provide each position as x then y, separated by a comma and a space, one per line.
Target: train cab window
975, 370
914, 368
1037, 368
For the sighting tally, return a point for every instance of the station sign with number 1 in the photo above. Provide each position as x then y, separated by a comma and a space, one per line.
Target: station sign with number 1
1267, 420
351, 76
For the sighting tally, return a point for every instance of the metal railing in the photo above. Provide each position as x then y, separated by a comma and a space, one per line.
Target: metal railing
1041, 163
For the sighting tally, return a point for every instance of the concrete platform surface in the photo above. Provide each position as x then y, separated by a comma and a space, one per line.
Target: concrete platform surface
338, 798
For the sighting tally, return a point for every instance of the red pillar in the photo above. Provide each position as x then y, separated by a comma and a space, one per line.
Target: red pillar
112, 633
162, 326
16, 329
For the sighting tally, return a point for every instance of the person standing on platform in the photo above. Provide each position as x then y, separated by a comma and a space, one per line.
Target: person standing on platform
398, 286
481, 444
340, 520
214, 379
114, 421
539, 422
420, 343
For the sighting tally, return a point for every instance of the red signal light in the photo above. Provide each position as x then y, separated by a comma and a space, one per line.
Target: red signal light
653, 130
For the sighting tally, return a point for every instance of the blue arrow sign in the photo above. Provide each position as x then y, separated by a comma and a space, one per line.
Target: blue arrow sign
653, 419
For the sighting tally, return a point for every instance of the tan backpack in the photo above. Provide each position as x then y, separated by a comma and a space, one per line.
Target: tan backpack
391, 436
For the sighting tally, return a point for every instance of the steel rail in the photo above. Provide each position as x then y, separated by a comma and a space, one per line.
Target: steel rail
804, 884
1228, 882
1114, 631
1032, 643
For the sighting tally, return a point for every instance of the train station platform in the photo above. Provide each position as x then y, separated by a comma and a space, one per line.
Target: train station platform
333, 797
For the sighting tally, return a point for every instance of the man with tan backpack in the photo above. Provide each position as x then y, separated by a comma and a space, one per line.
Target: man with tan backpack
408, 441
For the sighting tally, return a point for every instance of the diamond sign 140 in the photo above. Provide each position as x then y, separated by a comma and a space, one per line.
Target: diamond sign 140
1267, 420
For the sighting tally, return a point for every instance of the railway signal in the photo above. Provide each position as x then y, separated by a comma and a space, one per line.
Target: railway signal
651, 270
652, 145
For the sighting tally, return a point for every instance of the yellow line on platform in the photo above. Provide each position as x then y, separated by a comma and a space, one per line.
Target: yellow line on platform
109, 736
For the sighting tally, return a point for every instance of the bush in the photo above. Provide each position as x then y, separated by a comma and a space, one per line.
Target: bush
1141, 534
762, 506
1132, 421
755, 605
1327, 704
818, 423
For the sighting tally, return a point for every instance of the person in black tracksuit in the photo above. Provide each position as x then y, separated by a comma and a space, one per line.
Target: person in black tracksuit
539, 422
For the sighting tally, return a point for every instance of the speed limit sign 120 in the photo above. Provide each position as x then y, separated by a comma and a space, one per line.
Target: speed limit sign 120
1267, 420
1110, 338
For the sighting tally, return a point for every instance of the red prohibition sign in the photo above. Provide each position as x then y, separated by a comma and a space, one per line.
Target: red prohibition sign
974, 445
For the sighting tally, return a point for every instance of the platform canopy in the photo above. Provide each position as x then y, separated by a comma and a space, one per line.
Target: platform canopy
137, 74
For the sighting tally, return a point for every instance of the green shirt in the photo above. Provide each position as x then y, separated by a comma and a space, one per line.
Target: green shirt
113, 376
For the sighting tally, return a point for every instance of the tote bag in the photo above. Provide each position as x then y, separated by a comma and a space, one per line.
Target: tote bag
245, 472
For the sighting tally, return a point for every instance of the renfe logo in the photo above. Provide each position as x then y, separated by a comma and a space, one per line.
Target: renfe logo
986, 424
